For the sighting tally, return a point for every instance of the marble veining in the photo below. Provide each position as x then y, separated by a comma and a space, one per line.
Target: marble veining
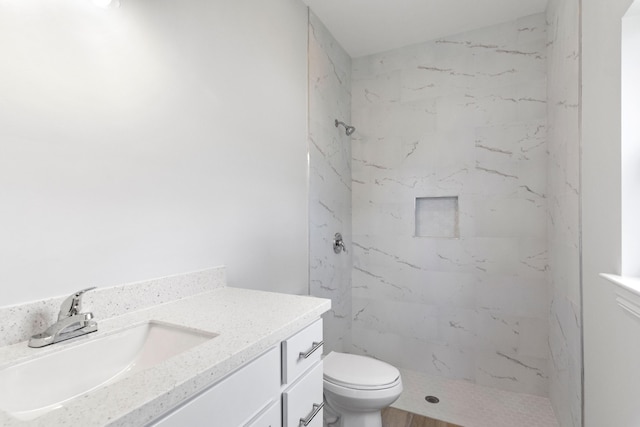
330, 183
19, 322
563, 193
463, 116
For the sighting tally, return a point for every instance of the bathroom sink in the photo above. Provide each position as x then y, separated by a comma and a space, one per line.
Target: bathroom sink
37, 386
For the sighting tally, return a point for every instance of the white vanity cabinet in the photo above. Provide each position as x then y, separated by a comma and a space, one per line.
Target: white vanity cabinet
302, 402
302, 378
234, 400
280, 388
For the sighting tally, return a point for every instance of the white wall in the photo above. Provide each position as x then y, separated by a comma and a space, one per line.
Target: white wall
460, 116
631, 142
155, 138
610, 385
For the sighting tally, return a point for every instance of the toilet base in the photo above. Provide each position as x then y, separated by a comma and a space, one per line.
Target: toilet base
350, 419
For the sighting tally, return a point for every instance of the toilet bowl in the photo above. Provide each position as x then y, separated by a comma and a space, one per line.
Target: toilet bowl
357, 388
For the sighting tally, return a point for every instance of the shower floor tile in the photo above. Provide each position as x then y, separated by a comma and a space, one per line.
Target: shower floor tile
472, 405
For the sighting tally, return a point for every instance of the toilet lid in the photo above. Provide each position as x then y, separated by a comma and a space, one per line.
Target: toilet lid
351, 370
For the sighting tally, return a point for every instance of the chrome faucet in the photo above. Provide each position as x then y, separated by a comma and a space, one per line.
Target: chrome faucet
71, 323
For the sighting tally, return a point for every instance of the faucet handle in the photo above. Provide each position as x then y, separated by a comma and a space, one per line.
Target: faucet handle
73, 304
338, 244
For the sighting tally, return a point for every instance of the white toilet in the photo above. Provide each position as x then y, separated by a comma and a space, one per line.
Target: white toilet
357, 388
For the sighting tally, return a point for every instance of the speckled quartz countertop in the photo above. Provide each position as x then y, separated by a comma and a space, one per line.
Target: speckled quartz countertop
247, 323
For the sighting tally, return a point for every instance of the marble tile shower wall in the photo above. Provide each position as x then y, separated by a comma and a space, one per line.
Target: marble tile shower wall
460, 116
563, 190
329, 180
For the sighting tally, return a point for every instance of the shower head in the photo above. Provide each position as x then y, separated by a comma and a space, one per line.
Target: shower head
347, 129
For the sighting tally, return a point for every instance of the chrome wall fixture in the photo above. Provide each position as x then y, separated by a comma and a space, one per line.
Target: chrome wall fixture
347, 129
338, 244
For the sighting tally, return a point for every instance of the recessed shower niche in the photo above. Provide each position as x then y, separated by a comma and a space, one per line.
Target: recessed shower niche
437, 217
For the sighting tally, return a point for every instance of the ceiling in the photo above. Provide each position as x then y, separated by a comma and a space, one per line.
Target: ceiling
364, 27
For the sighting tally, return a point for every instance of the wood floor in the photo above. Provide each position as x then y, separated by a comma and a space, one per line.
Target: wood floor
392, 417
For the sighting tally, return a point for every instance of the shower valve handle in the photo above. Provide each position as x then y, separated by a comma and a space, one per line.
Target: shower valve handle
338, 244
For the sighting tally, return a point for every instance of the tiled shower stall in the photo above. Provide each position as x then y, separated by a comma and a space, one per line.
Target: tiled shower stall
462, 118
456, 197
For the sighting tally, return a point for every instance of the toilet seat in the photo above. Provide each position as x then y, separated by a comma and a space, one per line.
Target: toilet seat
359, 372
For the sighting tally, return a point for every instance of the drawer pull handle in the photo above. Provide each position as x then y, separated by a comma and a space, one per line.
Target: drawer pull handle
316, 345
316, 408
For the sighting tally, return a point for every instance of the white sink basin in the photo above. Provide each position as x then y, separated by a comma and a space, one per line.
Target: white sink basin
35, 387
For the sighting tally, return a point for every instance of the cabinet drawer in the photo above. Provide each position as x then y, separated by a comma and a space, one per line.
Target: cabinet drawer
232, 401
271, 417
301, 351
303, 399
